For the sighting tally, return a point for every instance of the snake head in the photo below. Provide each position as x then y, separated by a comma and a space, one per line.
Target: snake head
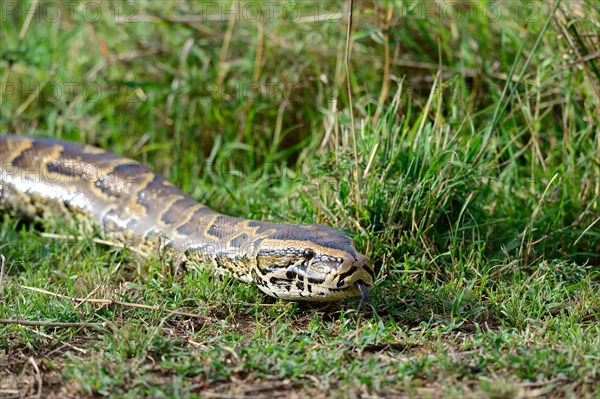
311, 263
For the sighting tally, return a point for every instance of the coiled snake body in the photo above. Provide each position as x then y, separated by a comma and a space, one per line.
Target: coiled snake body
42, 178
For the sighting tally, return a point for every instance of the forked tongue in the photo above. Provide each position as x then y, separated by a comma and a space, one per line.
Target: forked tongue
364, 294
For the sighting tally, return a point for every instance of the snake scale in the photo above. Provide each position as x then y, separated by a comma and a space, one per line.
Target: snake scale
41, 178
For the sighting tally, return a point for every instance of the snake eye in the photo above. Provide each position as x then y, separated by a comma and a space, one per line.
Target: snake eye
309, 254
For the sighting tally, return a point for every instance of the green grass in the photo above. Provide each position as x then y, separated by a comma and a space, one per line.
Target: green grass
478, 206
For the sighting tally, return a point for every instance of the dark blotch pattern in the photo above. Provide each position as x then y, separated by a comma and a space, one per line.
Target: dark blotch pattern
239, 241
62, 168
191, 226
263, 227
224, 226
315, 280
175, 214
281, 282
27, 158
297, 271
129, 171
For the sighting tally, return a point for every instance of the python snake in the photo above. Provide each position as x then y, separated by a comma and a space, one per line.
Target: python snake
41, 178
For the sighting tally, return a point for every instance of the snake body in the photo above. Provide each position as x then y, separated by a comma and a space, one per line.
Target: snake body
44, 178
